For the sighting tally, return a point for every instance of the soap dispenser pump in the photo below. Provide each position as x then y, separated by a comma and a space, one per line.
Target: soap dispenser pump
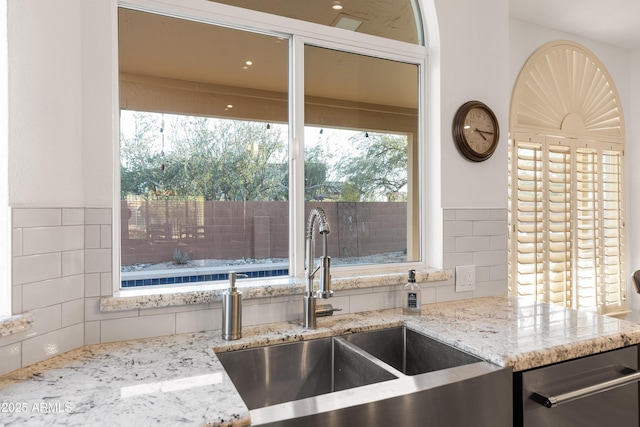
411, 295
232, 310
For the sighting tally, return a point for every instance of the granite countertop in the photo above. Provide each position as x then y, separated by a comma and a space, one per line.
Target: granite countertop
178, 380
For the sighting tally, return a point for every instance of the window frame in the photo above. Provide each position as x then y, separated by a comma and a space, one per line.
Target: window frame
299, 33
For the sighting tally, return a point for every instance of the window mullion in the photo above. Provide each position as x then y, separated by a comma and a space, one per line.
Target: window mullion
296, 159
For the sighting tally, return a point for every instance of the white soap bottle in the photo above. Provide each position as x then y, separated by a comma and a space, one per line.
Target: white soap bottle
411, 295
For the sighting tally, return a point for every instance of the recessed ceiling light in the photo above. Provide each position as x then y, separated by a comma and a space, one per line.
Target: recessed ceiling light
336, 5
229, 106
249, 63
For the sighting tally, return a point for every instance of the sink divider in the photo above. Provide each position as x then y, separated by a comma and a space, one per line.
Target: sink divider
343, 343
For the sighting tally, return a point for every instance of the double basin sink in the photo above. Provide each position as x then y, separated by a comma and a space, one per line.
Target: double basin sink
382, 377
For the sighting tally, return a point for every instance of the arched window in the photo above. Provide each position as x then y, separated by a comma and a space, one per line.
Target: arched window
235, 123
566, 199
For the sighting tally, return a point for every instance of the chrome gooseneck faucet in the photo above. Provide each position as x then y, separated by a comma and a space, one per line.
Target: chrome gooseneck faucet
311, 309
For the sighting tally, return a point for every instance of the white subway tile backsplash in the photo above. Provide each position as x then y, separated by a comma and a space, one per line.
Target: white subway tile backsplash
483, 273
473, 243
72, 216
490, 228
91, 333
196, 321
28, 217
448, 293
33, 268
55, 291
52, 344
269, 313
449, 215
497, 273
10, 358
458, 228
484, 245
97, 260
177, 309
97, 216
45, 320
473, 214
73, 312
428, 295
92, 237
106, 284
373, 301
92, 285
498, 243
72, 262
16, 242
453, 259
487, 289
105, 236
500, 215
137, 327
41, 240
489, 258
449, 245
16, 299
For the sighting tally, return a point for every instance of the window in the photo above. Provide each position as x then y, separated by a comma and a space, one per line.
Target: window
566, 199
212, 125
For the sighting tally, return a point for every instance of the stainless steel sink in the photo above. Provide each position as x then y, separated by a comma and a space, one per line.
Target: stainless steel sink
410, 352
281, 373
392, 376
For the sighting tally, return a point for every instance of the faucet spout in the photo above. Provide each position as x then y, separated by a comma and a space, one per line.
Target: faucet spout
318, 216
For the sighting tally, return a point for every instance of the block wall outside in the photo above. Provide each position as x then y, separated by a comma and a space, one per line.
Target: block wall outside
153, 230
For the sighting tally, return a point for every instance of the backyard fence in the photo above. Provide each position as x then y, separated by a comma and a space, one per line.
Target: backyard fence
152, 230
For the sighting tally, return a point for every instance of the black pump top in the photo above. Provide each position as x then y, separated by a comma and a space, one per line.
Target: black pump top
412, 276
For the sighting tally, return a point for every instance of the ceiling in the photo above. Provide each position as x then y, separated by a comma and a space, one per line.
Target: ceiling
163, 47
614, 22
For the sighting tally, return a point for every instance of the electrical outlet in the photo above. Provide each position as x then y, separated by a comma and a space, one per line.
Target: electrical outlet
465, 278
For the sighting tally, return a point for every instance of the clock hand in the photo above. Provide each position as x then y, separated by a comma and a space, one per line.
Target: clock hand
481, 134
484, 131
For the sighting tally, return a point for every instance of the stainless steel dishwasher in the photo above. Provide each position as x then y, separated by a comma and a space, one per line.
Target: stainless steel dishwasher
599, 390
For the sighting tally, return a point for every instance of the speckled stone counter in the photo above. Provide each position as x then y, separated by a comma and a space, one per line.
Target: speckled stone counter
178, 380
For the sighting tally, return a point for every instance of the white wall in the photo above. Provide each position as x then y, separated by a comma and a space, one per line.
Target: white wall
45, 103
474, 63
633, 176
98, 99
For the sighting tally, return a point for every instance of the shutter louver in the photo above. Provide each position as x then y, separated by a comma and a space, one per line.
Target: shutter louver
566, 206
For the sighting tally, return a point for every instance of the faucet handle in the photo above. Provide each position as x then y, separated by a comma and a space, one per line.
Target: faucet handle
323, 310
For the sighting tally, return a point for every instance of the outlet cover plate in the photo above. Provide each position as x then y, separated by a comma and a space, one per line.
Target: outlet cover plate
465, 278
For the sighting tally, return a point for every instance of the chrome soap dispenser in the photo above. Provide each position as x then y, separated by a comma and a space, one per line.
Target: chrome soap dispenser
411, 295
232, 310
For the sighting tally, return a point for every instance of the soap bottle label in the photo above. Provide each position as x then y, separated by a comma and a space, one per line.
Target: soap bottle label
412, 300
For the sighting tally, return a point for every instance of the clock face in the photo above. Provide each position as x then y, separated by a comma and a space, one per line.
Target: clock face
475, 131
479, 130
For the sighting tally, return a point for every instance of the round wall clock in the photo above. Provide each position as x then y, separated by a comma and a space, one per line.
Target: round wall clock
476, 131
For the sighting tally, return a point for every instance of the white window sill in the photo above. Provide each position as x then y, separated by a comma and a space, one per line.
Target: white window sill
170, 296
15, 324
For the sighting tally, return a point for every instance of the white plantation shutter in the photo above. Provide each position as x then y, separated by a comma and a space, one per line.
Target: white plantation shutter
566, 179
566, 243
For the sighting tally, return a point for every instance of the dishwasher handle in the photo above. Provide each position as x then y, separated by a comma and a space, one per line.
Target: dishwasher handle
629, 376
